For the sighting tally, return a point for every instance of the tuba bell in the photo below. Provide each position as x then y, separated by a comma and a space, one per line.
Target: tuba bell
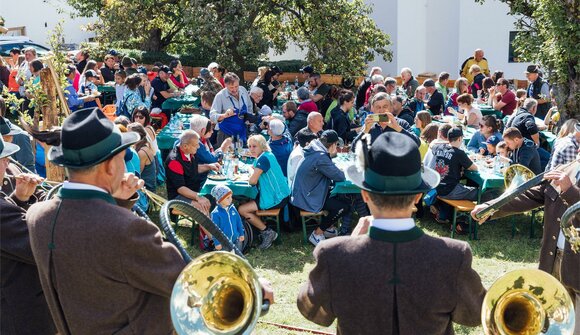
571, 233
516, 175
527, 301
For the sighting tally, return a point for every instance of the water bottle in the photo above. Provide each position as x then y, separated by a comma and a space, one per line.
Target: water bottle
230, 169
296, 83
287, 87
497, 165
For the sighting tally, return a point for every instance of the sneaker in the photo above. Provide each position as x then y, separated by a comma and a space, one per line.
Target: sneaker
330, 232
315, 239
268, 237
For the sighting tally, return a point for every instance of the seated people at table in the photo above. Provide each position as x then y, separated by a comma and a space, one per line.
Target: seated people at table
460, 87
295, 119
183, 172
272, 187
269, 92
491, 145
142, 116
417, 103
230, 109
162, 90
477, 84
297, 155
441, 84
226, 217
207, 98
178, 76
390, 277
311, 192
364, 85
502, 150
375, 80
436, 100
339, 120
538, 89
421, 120
401, 112
204, 128
428, 135
485, 98
470, 115
280, 143
381, 104
305, 103
132, 97
390, 85
73, 100
450, 161
315, 124
148, 167
489, 127
90, 88
210, 84
410, 84
566, 148
524, 120
256, 95
108, 69
523, 150
503, 98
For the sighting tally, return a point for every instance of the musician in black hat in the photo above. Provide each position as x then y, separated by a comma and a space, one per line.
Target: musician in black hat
24, 309
390, 277
103, 269
539, 90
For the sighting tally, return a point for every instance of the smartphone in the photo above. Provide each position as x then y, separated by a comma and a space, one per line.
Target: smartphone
380, 117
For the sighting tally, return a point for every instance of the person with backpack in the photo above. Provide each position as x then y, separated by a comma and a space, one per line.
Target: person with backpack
132, 97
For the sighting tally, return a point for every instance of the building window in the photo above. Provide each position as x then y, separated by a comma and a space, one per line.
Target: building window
513, 56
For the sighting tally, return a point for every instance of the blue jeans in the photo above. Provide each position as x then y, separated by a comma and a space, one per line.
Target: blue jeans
357, 204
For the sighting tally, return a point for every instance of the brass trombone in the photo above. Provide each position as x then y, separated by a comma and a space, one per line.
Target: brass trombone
527, 301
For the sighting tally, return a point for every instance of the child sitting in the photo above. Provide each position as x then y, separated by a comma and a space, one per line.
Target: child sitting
226, 217
491, 144
502, 149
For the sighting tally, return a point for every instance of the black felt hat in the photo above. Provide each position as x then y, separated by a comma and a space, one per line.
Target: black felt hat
392, 165
533, 69
89, 138
7, 149
307, 69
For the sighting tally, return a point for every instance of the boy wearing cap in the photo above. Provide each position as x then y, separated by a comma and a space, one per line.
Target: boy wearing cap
390, 277
89, 88
226, 217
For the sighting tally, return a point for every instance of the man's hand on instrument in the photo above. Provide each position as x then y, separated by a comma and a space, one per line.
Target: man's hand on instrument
26, 185
559, 178
478, 209
362, 226
267, 290
129, 185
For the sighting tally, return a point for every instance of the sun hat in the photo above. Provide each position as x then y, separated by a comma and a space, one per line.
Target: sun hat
391, 165
88, 138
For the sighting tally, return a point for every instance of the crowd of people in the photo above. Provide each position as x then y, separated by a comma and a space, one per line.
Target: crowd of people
401, 149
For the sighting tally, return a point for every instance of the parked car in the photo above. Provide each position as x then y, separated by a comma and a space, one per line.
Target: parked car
7, 43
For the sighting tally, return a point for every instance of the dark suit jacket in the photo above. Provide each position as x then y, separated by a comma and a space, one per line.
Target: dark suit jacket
554, 206
23, 306
373, 286
111, 271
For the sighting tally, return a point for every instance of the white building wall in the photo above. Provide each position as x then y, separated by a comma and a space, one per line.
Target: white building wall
40, 17
442, 37
385, 14
411, 39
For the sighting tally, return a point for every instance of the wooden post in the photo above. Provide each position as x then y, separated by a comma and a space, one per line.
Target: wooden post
50, 119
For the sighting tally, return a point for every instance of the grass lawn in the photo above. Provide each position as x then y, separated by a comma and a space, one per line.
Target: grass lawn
287, 265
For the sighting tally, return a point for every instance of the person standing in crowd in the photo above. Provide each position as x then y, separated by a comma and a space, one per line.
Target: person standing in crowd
436, 100
89, 247
410, 84
311, 192
504, 99
339, 119
306, 71
108, 69
24, 308
539, 90
81, 58
478, 60
364, 85
413, 283
523, 150
230, 109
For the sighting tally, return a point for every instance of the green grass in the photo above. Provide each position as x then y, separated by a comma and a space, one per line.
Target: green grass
287, 265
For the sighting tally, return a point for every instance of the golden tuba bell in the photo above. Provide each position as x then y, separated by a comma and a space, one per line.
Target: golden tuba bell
527, 301
216, 293
515, 175
571, 232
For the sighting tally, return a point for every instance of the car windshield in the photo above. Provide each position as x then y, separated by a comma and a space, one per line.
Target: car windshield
5, 48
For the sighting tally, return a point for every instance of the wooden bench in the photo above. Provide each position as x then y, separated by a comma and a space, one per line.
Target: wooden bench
461, 206
275, 214
304, 215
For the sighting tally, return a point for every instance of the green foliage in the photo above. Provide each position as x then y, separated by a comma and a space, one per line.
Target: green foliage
338, 35
551, 38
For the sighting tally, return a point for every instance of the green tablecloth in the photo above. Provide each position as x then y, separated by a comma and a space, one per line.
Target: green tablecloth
239, 188
176, 103
106, 89
343, 161
549, 138
486, 180
486, 110
169, 134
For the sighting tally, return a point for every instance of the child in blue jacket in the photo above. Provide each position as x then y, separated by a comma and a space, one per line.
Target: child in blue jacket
226, 216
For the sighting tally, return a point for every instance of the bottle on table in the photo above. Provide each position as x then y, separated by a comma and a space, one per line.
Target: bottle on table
296, 83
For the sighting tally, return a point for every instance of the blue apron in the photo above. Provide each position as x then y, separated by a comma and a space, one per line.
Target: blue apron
235, 125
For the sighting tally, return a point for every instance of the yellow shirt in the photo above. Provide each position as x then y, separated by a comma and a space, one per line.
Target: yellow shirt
471, 61
423, 149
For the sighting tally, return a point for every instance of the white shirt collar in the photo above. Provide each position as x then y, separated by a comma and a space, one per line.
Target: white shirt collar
81, 186
393, 224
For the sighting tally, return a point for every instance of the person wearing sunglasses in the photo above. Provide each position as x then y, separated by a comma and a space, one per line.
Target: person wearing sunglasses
142, 116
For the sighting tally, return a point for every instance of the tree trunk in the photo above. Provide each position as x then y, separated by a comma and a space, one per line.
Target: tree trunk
153, 43
50, 119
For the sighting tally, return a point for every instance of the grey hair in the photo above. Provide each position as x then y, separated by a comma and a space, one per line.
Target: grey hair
231, 77
187, 136
375, 70
260, 141
377, 78
303, 93
198, 123
390, 81
381, 96
407, 70
530, 103
256, 89
311, 116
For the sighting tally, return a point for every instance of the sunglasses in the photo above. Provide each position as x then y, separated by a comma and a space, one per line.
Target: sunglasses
139, 116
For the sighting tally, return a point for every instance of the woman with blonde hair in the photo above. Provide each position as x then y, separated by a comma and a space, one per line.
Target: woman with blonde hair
261, 73
461, 86
272, 187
